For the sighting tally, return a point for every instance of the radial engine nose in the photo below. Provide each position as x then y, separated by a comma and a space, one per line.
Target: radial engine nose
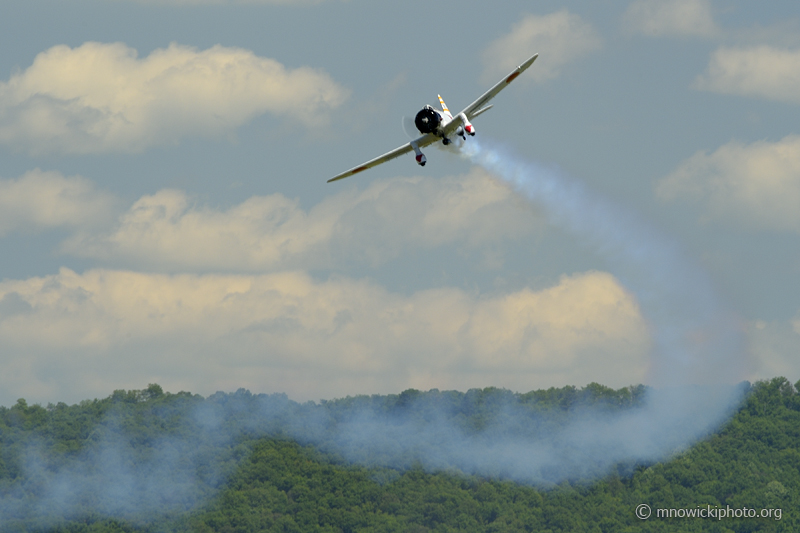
427, 120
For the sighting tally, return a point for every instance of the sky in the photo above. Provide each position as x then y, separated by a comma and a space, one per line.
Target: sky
165, 216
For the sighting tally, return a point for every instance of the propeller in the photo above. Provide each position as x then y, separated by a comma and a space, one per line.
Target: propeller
410, 128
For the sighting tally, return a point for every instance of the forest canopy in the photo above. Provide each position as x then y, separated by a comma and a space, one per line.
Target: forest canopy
149, 460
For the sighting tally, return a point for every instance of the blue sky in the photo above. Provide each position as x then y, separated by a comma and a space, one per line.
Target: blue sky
164, 215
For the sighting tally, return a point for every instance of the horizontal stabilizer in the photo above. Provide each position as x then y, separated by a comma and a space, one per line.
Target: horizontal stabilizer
480, 111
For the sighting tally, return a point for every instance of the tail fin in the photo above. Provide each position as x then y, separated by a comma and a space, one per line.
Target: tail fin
444, 106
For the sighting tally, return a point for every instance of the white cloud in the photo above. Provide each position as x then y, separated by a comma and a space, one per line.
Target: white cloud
757, 184
166, 230
760, 71
39, 200
69, 336
561, 37
671, 17
101, 98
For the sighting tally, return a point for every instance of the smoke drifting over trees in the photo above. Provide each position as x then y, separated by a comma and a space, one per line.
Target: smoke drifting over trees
140, 454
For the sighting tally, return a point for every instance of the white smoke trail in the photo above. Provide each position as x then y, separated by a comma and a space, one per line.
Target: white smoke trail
697, 340
697, 359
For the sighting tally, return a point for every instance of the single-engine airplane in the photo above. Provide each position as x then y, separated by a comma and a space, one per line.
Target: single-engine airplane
435, 125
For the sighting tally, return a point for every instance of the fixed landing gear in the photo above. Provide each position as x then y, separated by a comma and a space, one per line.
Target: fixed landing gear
446, 141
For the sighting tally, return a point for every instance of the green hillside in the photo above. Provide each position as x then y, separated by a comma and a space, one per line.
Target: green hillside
153, 461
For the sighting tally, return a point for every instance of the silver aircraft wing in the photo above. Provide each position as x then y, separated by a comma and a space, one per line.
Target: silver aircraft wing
420, 142
476, 107
482, 104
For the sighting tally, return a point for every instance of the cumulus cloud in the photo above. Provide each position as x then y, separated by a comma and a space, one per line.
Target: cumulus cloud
102, 98
561, 37
760, 71
39, 200
662, 18
758, 184
167, 230
70, 335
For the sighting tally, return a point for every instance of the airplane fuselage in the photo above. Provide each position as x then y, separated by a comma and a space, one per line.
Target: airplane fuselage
430, 120
434, 125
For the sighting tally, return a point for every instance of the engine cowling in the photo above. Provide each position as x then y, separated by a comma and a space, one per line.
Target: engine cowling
427, 120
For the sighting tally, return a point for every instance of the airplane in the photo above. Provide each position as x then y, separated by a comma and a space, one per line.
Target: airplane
435, 125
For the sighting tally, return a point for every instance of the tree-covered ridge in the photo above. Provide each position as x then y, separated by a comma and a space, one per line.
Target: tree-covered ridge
753, 462
229, 462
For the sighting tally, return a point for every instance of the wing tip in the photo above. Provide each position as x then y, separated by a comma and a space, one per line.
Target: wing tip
520, 69
348, 173
530, 61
